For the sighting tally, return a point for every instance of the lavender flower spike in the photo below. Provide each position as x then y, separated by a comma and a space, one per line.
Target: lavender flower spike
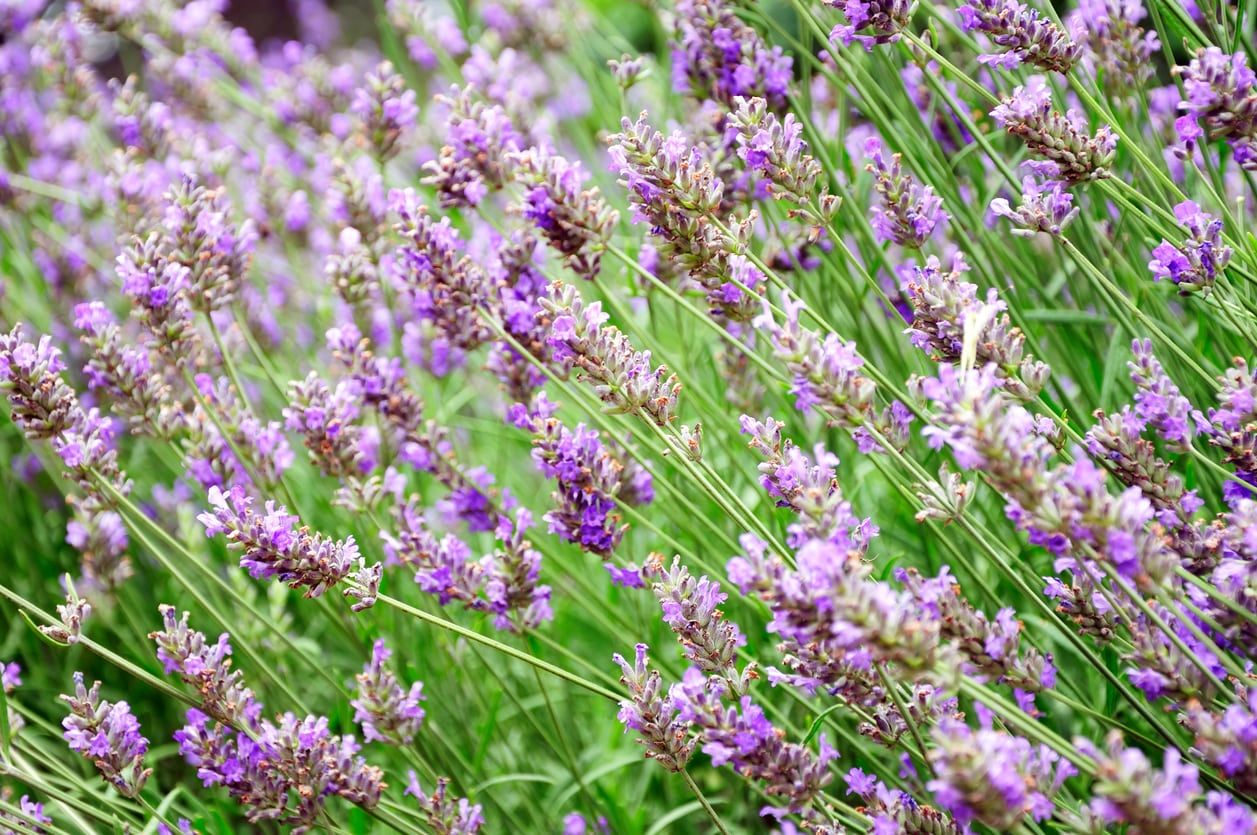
1045, 207
909, 212
385, 710
1070, 154
653, 716
1158, 399
1221, 103
385, 109
446, 815
206, 668
1194, 266
717, 56
271, 544
108, 735
994, 778
72, 613
1021, 34
883, 20
619, 374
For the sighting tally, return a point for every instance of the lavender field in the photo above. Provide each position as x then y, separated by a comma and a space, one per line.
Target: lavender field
627, 418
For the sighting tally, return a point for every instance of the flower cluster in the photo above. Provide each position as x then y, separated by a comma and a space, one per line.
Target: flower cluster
107, 734
1220, 103
1022, 36
909, 212
386, 710
272, 545
717, 56
1196, 265
1069, 153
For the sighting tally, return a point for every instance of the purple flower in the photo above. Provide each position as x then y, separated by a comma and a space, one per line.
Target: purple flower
1110, 33
1021, 35
673, 187
1045, 207
272, 545
107, 734
742, 737
776, 151
717, 56
385, 710
1157, 399
909, 212
945, 307
446, 815
574, 219
883, 20
479, 139
653, 715
1195, 265
711, 641
994, 778
1220, 102
603, 356
1070, 154
386, 109
285, 771
207, 668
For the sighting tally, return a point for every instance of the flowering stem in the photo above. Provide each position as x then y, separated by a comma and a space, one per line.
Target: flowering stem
892, 690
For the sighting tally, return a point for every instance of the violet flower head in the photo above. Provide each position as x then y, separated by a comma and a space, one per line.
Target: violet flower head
589, 479
41, 403
1046, 206
158, 288
445, 814
285, 771
674, 188
474, 161
1220, 103
327, 418
908, 212
272, 545
198, 232
994, 778
826, 376
443, 567
620, 375
444, 286
126, 373
742, 737
575, 220
691, 610
1020, 34
717, 56
32, 811
652, 714
870, 22
108, 735
1110, 34
1194, 266
386, 109
1228, 738
71, 614
1068, 151
775, 150
511, 586
384, 708
207, 668
947, 312
1129, 790
808, 486
1158, 399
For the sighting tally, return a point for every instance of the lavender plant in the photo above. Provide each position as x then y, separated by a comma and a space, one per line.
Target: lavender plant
881, 373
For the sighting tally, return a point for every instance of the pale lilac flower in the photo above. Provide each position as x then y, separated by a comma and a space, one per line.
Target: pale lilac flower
717, 56
1020, 34
108, 735
908, 212
385, 109
1196, 265
882, 20
1069, 152
446, 815
1220, 103
652, 714
1045, 207
207, 668
385, 709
